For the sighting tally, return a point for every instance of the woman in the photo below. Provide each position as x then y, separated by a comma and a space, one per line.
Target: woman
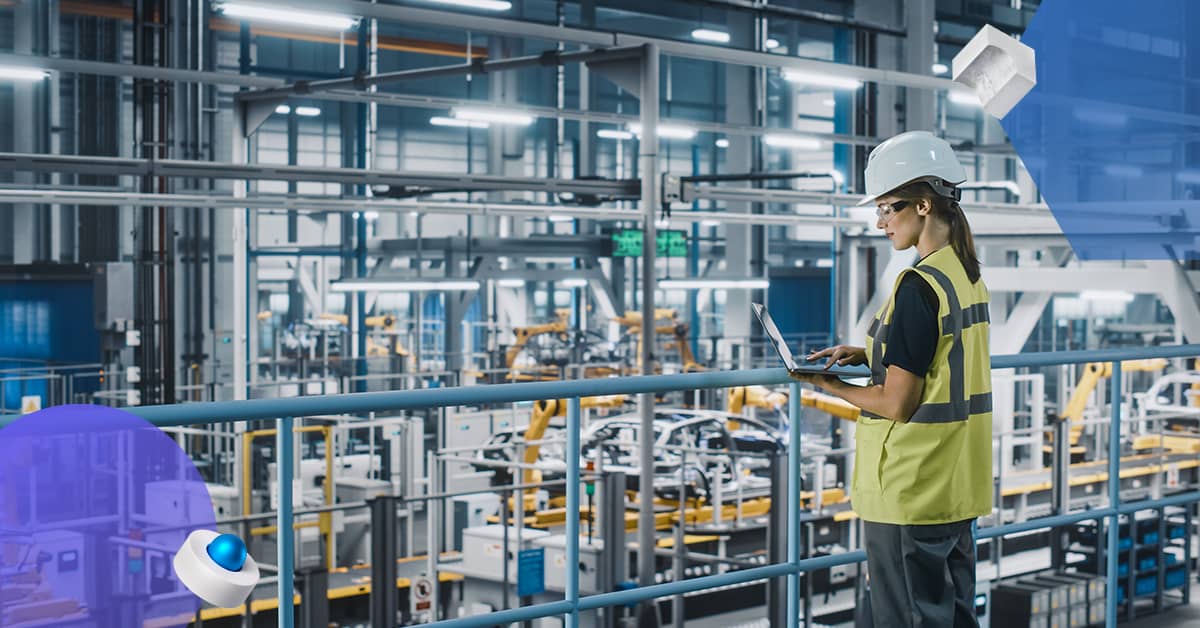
923, 453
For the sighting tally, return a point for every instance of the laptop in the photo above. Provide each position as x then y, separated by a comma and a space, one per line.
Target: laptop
781, 347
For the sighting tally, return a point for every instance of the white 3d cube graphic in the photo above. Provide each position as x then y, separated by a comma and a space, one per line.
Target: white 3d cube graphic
217, 585
999, 68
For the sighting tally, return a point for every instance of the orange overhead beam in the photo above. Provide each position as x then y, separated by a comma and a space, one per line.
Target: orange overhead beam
217, 23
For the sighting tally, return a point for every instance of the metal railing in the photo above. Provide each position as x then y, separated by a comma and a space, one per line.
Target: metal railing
285, 409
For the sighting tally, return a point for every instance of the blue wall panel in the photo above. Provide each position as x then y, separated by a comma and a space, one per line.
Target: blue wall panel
48, 321
799, 300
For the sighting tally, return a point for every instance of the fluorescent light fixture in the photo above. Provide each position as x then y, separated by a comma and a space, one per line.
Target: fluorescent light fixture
1124, 170
771, 43
21, 74
283, 109
614, 134
371, 215
403, 285
1188, 176
779, 140
486, 5
1099, 117
714, 284
966, 99
667, 131
710, 223
573, 283
498, 116
822, 80
560, 218
708, 34
1119, 296
825, 262
444, 121
308, 111
829, 102
940, 68
511, 283
288, 15
722, 143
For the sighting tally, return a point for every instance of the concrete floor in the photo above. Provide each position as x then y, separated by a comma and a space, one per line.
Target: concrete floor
1179, 616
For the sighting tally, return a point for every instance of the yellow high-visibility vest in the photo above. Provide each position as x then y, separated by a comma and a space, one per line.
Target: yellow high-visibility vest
937, 467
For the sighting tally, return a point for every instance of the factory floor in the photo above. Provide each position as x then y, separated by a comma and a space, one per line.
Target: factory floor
1179, 616
753, 617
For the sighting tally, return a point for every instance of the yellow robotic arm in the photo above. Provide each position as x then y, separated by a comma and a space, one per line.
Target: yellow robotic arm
525, 334
1093, 373
678, 330
545, 410
761, 397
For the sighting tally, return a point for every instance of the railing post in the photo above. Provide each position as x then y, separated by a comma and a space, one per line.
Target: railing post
572, 458
283, 522
793, 505
777, 589
1114, 498
314, 597
615, 568
384, 599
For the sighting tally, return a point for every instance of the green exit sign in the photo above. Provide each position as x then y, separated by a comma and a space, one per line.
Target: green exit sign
628, 243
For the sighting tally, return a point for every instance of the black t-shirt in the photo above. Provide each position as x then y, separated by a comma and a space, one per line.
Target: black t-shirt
913, 337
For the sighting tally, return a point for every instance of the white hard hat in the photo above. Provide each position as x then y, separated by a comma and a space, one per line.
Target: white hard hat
910, 156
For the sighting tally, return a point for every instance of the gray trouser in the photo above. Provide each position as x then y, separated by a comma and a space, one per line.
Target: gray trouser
920, 576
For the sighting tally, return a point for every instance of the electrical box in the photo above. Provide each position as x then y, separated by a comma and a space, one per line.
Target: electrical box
590, 555
63, 562
470, 511
484, 551
112, 283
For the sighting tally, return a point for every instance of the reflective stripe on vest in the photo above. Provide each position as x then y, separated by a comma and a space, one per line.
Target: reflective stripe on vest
936, 468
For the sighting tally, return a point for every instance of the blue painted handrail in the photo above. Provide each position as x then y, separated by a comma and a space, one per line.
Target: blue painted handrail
360, 403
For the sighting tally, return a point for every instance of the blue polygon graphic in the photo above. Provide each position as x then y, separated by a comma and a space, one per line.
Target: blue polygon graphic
1111, 131
94, 504
531, 571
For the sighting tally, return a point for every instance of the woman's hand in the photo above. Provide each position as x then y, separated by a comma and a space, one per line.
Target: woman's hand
842, 355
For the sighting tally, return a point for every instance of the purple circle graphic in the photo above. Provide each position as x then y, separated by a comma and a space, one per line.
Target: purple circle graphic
94, 502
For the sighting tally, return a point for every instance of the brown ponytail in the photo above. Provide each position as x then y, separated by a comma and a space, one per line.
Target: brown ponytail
961, 239
951, 213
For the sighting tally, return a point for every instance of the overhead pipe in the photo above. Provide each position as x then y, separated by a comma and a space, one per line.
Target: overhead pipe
123, 13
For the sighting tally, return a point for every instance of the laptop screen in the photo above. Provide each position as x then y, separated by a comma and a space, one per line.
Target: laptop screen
764, 318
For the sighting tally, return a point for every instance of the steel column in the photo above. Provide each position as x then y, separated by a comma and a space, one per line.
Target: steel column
793, 504
1114, 498
572, 459
648, 155
314, 597
285, 543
